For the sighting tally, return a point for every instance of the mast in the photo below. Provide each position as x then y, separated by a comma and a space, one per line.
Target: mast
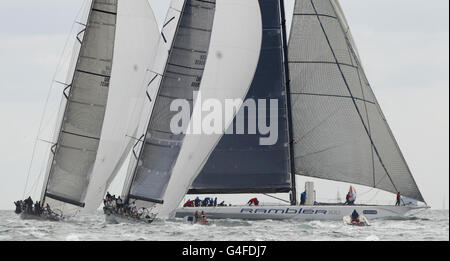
289, 107
144, 137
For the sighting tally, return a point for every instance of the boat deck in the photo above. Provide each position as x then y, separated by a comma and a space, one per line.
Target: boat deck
315, 212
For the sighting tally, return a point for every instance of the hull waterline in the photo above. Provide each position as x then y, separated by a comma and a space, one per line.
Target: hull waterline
317, 212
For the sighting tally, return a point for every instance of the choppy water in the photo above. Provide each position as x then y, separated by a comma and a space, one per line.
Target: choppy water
429, 225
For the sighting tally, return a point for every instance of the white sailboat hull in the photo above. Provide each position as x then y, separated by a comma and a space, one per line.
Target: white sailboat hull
281, 212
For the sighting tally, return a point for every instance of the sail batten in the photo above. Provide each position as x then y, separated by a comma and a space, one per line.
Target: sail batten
339, 129
126, 94
81, 126
181, 78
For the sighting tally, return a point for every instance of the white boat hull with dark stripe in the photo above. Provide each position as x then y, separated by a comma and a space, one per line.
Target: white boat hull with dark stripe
319, 212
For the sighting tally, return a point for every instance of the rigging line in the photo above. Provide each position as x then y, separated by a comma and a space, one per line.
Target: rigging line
351, 94
357, 59
361, 72
364, 79
48, 99
34, 187
270, 196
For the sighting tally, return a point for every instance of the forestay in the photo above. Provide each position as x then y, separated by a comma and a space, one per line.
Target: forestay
87, 95
339, 129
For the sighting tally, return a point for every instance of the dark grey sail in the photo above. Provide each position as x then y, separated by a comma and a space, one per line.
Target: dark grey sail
76, 149
181, 78
340, 132
239, 164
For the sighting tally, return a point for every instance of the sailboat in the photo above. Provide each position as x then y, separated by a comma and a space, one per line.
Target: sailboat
200, 50
101, 105
331, 126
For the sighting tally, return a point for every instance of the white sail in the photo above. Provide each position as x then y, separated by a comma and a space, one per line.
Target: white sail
339, 129
59, 118
230, 67
153, 83
82, 116
136, 42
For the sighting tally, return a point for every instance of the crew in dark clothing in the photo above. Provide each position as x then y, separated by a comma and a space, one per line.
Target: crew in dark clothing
29, 205
399, 198
197, 202
37, 209
355, 216
303, 198
215, 202
49, 210
18, 207
196, 217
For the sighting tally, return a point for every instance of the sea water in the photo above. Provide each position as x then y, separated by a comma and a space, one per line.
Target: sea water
426, 225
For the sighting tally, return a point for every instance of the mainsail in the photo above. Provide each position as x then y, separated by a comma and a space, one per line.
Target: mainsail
339, 130
239, 164
181, 76
86, 96
135, 47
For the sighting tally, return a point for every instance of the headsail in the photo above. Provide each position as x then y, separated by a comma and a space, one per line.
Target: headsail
137, 37
230, 67
239, 164
340, 132
78, 139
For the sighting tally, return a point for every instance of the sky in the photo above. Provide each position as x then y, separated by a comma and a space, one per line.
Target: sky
403, 44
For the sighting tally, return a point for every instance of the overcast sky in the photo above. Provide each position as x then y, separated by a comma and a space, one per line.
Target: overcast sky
404, 46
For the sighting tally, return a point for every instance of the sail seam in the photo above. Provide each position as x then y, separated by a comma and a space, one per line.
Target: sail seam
323, 15
75, 148
331, 95
51, 171
351, 94
80, 135
190, 50
103, 11
320, 62
88, 104
95, 74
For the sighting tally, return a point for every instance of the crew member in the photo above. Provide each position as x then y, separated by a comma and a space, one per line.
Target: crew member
303, 198
355, 216
253, 201
399, 198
